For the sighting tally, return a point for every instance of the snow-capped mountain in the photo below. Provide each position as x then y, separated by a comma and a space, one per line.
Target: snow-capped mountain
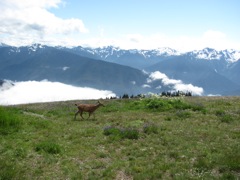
108, 53
3, 45
212, 54
132, 57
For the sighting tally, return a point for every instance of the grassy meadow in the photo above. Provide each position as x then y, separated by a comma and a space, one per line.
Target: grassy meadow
153, 138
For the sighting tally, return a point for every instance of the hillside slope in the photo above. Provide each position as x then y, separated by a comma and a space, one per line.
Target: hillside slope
57, 65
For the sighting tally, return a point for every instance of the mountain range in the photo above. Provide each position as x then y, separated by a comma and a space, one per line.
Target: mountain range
123, 71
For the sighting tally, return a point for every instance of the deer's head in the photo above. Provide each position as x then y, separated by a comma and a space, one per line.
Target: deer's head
100, 104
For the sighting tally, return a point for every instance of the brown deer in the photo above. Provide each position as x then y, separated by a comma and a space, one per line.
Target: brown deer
90, 108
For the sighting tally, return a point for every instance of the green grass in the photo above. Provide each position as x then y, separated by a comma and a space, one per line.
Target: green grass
155, 138
121, 133
9, 120
48, 147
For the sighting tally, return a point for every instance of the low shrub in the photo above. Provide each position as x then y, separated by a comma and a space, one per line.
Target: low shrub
129, 133
121, 133
161, 104
199, 107
183, 114
168, 118
48, 147
150, 128
227, 118
158, 104
220, 112
110, 130
223, 116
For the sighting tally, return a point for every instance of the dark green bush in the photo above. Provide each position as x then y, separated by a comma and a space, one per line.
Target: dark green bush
110, 130
168, 118
199, 107
158, 104
183, 114
220, 112
223, 116
121, 133
180, 104
154, 104
150, 128
48, 147
227, 118
161, 104
129, 133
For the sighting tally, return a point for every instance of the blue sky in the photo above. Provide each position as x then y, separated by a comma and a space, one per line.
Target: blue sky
143, 24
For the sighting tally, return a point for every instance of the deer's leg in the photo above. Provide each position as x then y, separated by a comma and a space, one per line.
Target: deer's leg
76, 114
89, 114
81, 114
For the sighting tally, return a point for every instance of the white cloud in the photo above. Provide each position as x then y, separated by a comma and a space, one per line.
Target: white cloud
133, 82
177, 85
159, 87
45, 91
146, 86
157, 75
32, 3
211, 38
26, 22
65, 68
189, 88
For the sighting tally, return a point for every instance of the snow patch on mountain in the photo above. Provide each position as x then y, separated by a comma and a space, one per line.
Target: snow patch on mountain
35, 47
167, 52
232, 55
207, 53
3, 45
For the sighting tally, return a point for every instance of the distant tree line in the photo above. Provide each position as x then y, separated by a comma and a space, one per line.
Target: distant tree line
164, 94
176, 94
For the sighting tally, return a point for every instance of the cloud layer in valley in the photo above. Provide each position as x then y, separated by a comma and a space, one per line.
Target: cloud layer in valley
45, 91
177, 85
